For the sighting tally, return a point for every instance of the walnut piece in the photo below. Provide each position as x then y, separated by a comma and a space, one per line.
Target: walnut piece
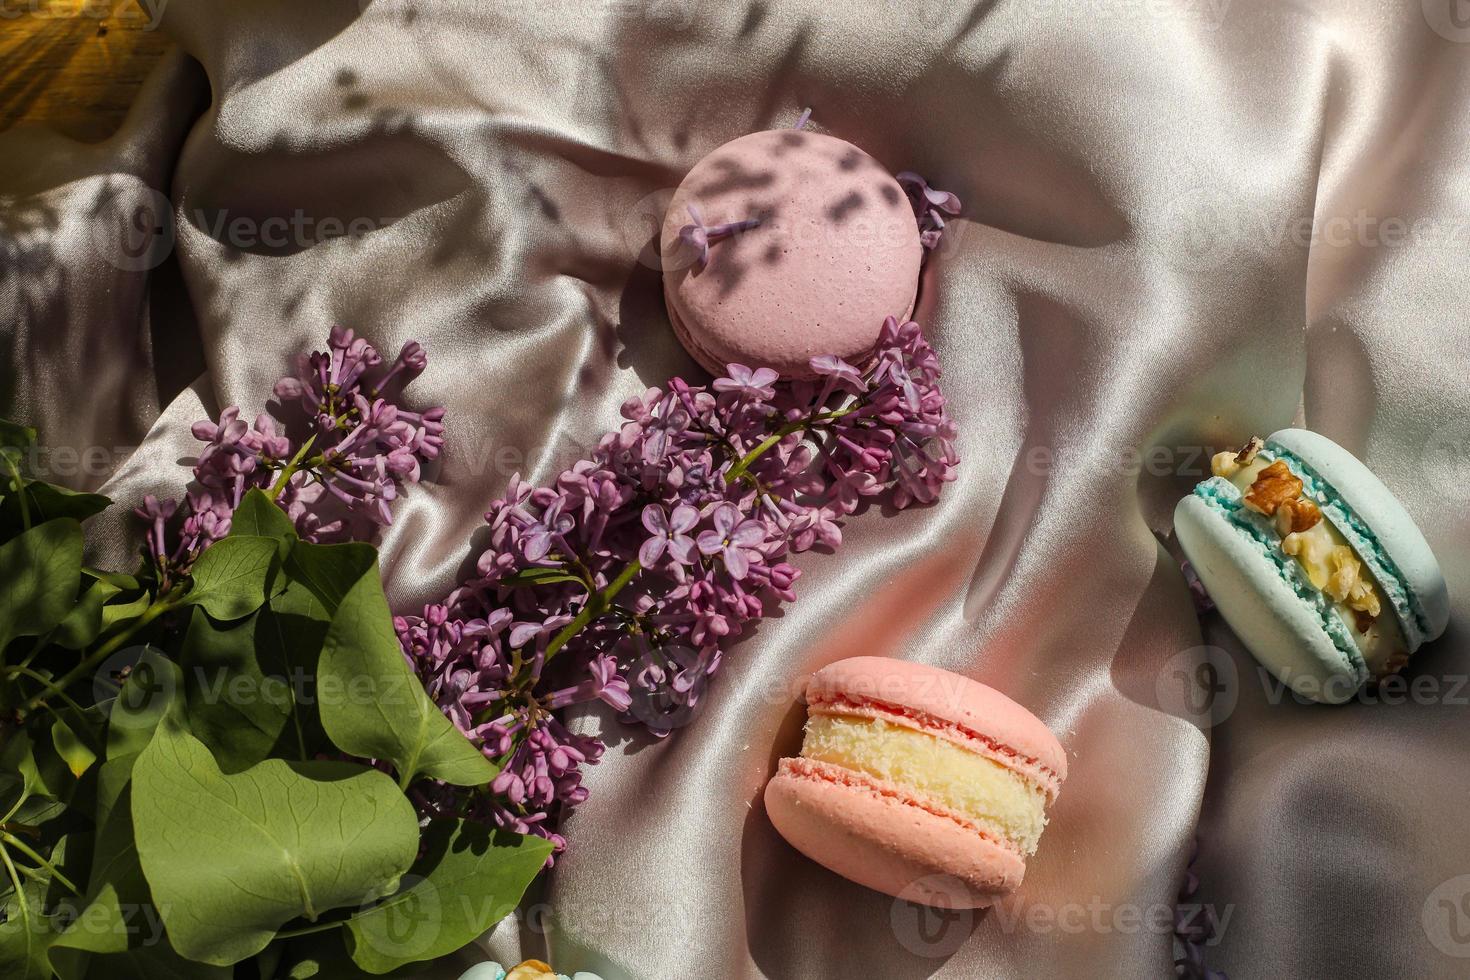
1272, 488
531, 970
1294, 516
1247, 454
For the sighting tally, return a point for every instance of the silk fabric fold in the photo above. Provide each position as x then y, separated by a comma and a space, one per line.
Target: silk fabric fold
1186, 221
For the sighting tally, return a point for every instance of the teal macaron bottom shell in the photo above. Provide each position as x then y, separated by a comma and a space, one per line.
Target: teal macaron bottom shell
1289, 626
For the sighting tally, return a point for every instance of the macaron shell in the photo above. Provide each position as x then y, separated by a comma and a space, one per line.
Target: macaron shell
1377, 507
944, 695
836, 252
1278, 627
891, 846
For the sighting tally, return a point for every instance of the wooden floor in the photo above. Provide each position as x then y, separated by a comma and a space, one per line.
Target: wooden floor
74, 65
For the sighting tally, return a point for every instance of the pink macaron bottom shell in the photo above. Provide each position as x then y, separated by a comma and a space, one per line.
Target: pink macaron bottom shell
880, 836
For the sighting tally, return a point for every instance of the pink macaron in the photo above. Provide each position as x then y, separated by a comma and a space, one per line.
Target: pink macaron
917, 782
783, 245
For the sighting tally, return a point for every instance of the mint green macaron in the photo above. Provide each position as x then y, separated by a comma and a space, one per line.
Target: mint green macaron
1314, 563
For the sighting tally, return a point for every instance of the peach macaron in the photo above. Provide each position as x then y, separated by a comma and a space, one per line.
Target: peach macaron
787, 244
917, 782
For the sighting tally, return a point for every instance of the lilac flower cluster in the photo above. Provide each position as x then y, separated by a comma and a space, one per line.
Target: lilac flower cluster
620, 582
1195, 926
930, 206
334, 456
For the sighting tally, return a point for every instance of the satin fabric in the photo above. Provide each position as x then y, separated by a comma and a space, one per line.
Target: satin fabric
1186, 221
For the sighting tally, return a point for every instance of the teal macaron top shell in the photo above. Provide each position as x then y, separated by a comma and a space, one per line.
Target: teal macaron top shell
1377, 526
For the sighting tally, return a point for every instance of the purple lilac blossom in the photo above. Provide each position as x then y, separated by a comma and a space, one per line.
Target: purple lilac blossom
930, 206
364, 445
698, 237
679, 530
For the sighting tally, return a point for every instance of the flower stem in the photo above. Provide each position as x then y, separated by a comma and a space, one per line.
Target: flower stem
291, 468
738, 470
20, 897
166, 604
20, 846
597, 604
20, 490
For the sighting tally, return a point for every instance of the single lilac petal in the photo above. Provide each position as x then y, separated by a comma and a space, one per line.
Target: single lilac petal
652, 550
682, 548
748, 534
711, 542
684, 518
736, 562
655, 520
724, 518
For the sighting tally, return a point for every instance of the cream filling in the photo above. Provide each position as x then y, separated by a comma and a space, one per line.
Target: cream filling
994, 798
1334, 569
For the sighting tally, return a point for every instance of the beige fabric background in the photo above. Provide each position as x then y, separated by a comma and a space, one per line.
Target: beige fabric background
1186, 221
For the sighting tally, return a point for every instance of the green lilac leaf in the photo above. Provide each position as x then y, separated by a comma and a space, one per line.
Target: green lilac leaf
282, 840
153, 682
330, 570
29, 761
15, 436
259, 516
232, 578
289, 637
373, 706
108, 919
470, 877
26, 933
115, 614
237, 705
83, 624
40, 572
48, 502
77, 755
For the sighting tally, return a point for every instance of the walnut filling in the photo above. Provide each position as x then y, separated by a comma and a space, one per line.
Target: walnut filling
1323, 553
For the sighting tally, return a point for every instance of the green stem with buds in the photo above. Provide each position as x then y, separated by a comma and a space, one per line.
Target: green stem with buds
290, 469
737, 471
597, 604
